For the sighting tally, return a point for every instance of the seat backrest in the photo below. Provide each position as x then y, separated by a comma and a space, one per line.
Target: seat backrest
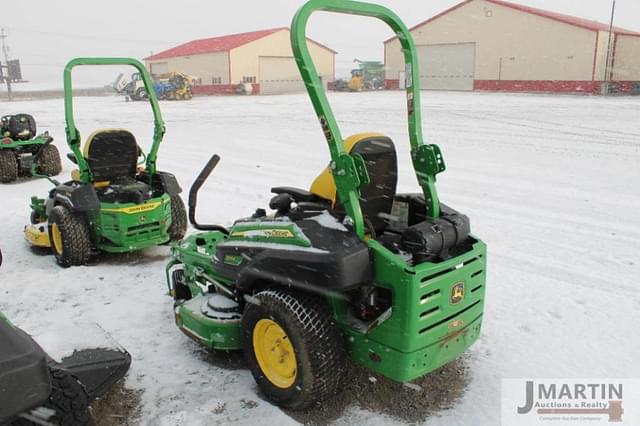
376, 198
111, 154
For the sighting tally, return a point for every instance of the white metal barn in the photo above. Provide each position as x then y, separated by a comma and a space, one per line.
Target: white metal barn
497, 45
261, 58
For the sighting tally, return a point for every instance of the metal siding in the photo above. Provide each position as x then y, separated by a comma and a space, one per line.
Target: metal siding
245, 60
278, 74
159, 67
531, 47
627, 59
447, 66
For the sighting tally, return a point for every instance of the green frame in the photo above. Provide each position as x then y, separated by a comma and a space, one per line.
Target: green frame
73, 135
16, 144
348, 171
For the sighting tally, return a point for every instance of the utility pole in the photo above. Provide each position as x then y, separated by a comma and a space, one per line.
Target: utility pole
605, 87
5, 50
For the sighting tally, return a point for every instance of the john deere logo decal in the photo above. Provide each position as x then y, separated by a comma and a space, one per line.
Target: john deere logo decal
136, 209
457, 293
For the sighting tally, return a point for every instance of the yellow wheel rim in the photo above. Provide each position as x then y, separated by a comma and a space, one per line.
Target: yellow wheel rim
56, 236
274, 353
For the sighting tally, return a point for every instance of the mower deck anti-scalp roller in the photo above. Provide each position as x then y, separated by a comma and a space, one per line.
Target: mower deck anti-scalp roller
349, 269
113, 203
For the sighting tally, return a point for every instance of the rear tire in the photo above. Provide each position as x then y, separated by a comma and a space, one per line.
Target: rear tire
301, 322
178, 227
49, 162
69, 236
68, 399
8, 166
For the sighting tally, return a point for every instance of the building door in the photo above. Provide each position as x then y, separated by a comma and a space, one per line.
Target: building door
279, 74
447, 66
158, 68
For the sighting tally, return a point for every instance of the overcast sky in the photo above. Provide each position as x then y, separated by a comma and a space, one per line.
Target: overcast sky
45, 34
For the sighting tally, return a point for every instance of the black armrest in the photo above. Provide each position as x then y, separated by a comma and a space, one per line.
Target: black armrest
297, 193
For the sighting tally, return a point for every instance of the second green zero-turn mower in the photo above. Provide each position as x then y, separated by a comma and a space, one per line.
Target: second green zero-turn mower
113, 203
22, 149
349, 269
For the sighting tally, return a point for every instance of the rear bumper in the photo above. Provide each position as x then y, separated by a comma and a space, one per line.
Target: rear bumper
130, 227
436, 314
403, 366
132, 245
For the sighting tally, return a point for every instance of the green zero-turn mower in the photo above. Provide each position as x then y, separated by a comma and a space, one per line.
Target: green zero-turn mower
113, 203
349, 269
23, 150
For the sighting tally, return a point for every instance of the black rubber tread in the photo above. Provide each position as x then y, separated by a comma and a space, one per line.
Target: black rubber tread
8, 166
141, 94
317, 341
68, 399
76, 242
178, 227
49, 161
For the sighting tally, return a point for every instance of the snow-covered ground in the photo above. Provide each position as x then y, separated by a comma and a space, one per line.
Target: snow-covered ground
552, 184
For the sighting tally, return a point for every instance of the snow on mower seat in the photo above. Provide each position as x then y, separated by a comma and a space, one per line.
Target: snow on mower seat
376, 198
112, 155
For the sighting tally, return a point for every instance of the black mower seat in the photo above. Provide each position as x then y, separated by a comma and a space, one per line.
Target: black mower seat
299, 195
376, 198
125, 190
111, 154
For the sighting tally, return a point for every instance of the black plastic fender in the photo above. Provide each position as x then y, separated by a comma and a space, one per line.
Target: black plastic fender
165, 180
25, 382
98, 369
77, 197
337, 261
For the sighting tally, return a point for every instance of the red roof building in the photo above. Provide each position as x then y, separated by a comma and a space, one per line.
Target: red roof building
262, 59
500, 45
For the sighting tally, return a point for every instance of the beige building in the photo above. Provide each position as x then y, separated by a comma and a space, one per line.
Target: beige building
262, 59
497, 45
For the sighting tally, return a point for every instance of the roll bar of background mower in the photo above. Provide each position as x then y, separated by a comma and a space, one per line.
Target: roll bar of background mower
73, 135
427, 159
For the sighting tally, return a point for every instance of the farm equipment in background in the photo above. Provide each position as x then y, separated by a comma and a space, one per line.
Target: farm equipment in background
37, 389
117, 201
369, 76
347, 269
170, 86
22, 150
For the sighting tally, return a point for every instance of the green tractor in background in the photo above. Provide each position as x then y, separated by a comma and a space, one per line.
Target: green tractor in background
113, 203
349, 269
22, 150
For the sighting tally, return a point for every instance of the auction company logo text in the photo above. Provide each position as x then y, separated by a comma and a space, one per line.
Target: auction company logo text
570, 401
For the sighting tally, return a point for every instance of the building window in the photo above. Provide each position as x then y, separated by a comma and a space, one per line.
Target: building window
216, 80
249, 79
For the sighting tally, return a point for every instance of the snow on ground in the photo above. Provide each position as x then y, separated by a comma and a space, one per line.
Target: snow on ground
550, 183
